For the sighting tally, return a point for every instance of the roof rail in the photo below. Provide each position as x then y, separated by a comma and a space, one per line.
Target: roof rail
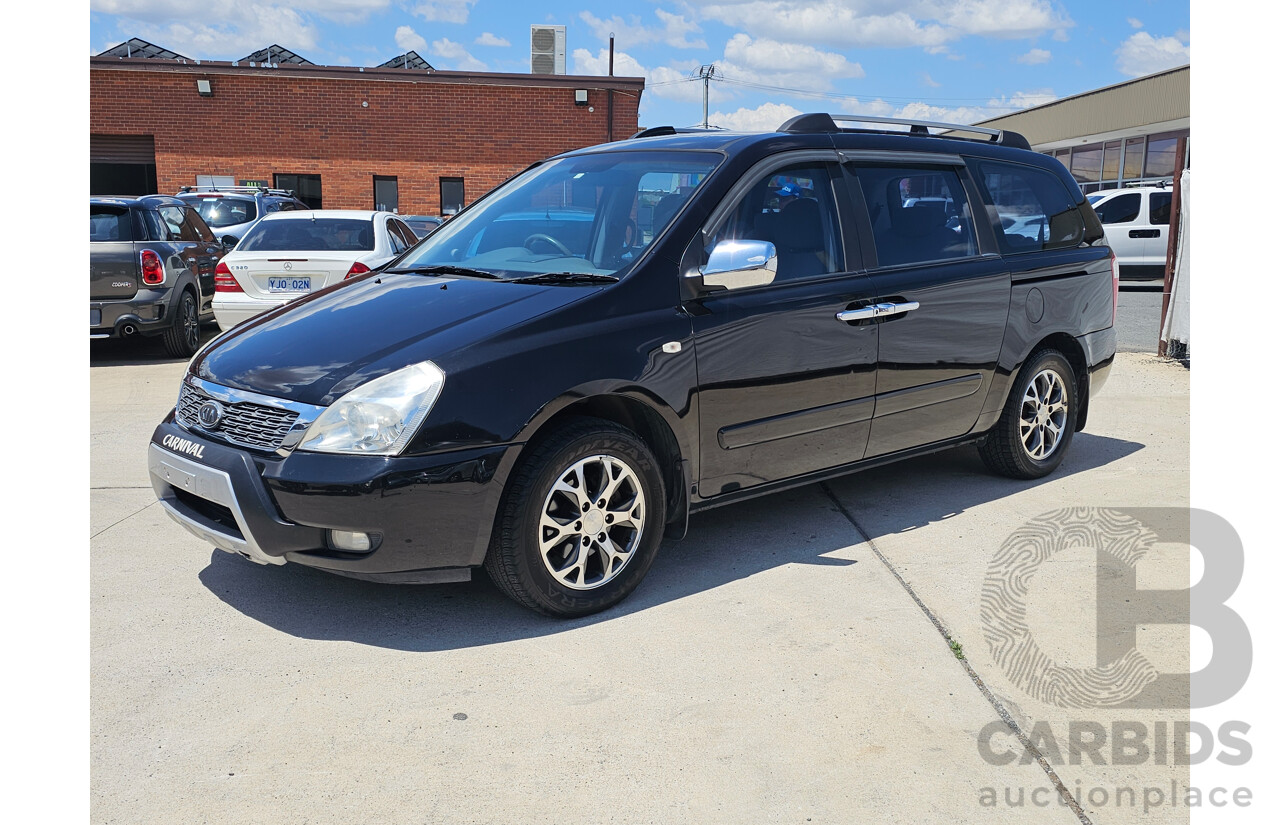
239, 189
666, 131
822, 122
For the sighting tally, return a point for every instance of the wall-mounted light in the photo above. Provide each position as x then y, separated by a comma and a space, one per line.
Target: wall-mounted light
205, 88
580, 97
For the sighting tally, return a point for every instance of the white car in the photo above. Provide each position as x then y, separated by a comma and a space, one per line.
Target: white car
1136, 221
289, 254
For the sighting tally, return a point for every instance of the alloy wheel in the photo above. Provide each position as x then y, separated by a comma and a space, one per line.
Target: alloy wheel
591, 522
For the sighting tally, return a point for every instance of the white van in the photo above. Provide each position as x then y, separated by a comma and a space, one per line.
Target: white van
1136, 221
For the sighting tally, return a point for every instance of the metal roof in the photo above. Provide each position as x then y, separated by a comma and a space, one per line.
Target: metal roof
137, 47
408, 60
276, 54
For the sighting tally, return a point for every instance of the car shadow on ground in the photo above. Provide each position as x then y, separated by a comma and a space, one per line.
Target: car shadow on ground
139, 350
724, 545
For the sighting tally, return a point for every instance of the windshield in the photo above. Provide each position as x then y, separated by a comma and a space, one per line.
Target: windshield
221, 211
590, 214
309, 235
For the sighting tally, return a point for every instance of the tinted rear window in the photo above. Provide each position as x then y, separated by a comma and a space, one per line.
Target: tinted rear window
337, 234
222, 211
109, 223
1035, 209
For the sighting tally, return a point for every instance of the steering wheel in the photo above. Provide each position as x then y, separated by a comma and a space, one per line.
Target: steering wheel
539, 236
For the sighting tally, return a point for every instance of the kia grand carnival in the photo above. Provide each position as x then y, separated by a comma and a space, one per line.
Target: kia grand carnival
624, 335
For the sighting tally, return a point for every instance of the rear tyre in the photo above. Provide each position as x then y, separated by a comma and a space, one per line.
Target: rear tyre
1037, 423
580, 521
182, 339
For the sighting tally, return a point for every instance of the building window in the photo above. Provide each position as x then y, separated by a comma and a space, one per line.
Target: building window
452, 196
307, 188
386, 194
1161, 155
1086, 164
1134, 148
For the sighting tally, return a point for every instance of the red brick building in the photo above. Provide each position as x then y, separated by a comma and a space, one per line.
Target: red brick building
432, 138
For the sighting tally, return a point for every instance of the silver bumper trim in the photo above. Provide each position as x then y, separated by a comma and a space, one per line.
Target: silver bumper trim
174, 471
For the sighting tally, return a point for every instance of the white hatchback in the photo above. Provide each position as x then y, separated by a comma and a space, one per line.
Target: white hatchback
289, 254
1136, 221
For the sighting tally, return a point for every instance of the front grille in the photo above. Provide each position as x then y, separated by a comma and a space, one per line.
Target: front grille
245, 424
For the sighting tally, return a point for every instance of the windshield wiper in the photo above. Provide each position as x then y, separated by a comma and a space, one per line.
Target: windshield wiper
566, 278
444, 269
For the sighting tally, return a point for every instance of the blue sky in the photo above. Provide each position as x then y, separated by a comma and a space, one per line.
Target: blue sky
956, 60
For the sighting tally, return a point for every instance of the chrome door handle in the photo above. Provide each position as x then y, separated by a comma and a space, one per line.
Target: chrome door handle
877, 311
860, 314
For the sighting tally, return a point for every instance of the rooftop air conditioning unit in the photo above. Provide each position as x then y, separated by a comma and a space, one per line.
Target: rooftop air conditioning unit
548, 50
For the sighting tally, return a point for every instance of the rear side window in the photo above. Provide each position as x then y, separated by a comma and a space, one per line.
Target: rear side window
1034, 208
321, 234
180, 226
1161, 202
109, 223
917, 214
1120, 209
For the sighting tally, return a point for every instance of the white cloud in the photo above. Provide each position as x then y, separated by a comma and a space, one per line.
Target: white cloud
1143, 54
1035, 57
887, 23
444, 11
776, 61
764, 118
410, 40
674, 31
491, 39
185, 25
928, 80
458, 55
999, 18
1135, 22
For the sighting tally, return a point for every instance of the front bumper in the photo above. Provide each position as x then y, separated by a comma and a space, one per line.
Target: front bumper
431, 516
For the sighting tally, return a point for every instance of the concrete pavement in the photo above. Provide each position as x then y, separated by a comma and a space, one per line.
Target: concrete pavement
771, 667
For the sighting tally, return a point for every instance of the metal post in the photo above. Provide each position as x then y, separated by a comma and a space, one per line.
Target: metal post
1175, 225
610, 92
706, 73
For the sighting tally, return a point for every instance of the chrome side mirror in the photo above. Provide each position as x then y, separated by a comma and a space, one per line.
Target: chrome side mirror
739, 264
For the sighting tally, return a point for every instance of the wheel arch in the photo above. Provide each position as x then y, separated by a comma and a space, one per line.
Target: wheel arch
1074, 353
653, 422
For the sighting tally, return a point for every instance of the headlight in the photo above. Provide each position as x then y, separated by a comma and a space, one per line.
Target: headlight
377, 418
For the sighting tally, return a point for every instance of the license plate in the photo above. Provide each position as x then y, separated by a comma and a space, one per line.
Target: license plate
95, 317
289, 284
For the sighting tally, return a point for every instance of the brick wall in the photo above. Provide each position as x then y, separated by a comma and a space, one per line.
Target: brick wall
267, 121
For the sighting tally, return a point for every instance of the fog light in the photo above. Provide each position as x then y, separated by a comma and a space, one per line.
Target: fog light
350, 541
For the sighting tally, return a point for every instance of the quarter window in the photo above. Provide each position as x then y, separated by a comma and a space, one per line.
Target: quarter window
793, 209
917, 214
1035, 209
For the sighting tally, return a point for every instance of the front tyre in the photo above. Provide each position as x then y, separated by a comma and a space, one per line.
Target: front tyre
580, 522
1038, 420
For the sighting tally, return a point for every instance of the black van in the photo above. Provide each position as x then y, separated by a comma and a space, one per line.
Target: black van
624, 335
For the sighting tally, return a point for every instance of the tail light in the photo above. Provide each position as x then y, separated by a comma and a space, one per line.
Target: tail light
224, 281
1115, 287
357, 268
152, 268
